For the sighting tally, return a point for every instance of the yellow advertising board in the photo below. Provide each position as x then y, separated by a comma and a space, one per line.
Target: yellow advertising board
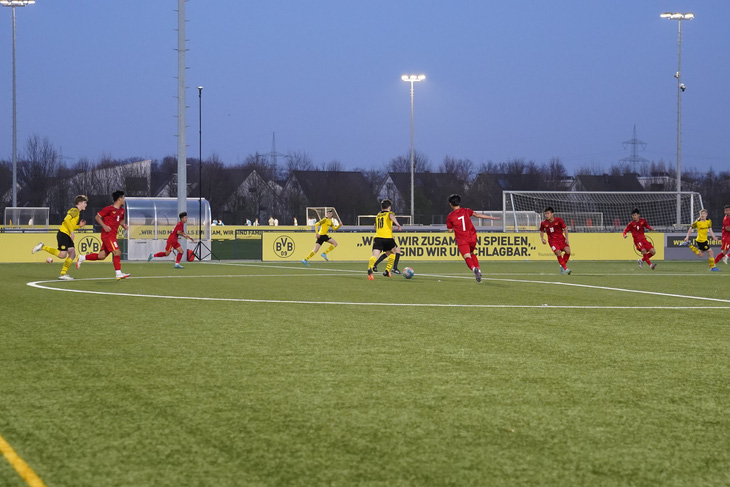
16, 247
291, 246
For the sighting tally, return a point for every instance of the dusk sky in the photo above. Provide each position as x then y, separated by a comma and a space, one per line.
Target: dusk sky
510, 79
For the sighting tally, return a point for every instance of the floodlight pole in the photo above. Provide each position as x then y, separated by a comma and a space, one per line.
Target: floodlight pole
12, 4
412, 79
679, 17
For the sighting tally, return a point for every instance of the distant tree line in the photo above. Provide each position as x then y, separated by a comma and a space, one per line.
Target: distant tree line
45, 178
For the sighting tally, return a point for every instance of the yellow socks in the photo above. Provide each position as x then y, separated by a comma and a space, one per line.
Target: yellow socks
51, 250
309, 256
391, 259
66, 265
371, 262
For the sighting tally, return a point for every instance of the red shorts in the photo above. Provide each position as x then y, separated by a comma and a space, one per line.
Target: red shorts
558, 245
466, 247
725, 242
109, 243
172, 244
643, 245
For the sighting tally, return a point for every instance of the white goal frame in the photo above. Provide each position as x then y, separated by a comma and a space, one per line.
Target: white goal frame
598, 211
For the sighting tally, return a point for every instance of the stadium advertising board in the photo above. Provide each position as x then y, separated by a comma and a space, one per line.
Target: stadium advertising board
289, 246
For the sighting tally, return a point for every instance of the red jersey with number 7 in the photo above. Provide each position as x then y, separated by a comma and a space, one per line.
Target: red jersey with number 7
460, 221
112, 217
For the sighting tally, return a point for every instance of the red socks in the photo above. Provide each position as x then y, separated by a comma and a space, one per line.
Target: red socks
117, 262
179, 257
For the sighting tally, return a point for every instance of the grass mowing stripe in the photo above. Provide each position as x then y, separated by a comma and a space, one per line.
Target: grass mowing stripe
23, 469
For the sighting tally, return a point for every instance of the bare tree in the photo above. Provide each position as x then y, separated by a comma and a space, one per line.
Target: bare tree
38, 169
333, 166
403, 163
298, 161
462, 169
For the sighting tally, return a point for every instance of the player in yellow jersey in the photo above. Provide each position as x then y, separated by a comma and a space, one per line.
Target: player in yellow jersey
321, 229
703, 226
384, 241
65, 236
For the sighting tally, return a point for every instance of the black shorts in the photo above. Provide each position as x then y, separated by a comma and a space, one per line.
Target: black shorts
322, 239
64, 241
703, 246
384, 244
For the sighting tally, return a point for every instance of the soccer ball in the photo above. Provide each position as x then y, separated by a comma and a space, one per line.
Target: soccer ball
408, 273
49, 260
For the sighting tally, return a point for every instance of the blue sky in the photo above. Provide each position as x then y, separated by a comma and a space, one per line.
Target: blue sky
510, 79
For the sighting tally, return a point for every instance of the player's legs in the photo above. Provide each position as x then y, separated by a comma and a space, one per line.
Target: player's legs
697, 251
168, 249
382, 257
311, 254
179, 251
474, 258
566, 255
48, 249
68, 261
389, 265
711, 255
465, 251
395, 262
559, 255
333, 244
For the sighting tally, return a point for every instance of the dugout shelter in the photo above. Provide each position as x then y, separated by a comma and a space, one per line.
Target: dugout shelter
151, 220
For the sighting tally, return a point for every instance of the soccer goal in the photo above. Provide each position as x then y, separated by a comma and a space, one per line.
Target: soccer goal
26, 219
587, 211
316, 213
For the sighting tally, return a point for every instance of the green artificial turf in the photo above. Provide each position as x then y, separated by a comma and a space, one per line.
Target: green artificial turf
287, 375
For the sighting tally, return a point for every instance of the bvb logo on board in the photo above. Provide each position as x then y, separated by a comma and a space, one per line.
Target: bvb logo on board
89, 245
284, 246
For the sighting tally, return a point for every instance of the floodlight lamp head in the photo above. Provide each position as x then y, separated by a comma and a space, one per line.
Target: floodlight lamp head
16, 3
200, 87
413, 77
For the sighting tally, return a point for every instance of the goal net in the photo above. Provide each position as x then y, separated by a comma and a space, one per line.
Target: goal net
316, 213
585, 211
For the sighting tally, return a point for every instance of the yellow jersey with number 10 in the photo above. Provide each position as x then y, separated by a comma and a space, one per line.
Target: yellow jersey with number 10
384, 225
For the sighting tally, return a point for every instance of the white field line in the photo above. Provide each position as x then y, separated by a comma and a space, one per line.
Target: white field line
41, 285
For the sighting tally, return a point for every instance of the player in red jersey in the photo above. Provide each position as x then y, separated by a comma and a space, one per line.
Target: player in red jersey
636, 227
110, 219
557, 233
172, 242
725, 246
459, 223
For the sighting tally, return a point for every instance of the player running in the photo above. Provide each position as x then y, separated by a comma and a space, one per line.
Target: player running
725, 246
110, 219
65, 237
173, 243
321, 230
459, 223
636, 227
384, 241
557, 233
703, 226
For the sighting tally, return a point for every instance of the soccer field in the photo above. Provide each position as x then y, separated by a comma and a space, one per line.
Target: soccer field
236, 374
